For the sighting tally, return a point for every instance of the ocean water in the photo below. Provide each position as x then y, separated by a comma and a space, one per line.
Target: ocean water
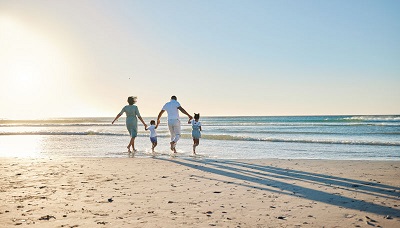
284, 137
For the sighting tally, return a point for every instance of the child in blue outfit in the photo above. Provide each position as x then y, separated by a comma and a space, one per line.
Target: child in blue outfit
196, 128
153, 134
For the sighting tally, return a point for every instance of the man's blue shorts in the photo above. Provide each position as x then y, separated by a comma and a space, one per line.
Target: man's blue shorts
153, 139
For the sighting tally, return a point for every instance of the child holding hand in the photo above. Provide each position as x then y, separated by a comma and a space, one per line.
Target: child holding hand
196, 128
153, 134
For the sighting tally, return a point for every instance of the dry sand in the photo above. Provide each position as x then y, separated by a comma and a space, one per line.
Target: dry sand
178, 192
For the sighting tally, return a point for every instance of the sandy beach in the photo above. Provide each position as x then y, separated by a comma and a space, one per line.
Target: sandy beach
190, 192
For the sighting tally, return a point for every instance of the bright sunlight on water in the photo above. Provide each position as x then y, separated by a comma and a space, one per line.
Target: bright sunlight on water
21, 146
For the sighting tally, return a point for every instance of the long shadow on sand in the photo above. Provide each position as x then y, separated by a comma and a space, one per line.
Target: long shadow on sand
275, 179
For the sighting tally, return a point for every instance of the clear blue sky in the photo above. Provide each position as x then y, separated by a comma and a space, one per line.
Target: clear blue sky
84, 58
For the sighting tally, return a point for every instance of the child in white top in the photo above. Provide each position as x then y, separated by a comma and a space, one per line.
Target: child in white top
153, 134
196, 128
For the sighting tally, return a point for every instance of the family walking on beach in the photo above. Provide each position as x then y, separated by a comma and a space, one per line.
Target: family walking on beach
172, 107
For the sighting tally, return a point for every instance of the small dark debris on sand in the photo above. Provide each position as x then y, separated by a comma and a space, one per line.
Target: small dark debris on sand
47, 217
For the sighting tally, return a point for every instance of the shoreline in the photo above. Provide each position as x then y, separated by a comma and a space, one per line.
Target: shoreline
190, 192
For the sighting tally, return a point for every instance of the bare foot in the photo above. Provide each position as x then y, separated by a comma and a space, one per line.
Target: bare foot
173, 144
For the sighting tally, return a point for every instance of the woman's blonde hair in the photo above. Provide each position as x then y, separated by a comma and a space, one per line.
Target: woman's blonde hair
132, 100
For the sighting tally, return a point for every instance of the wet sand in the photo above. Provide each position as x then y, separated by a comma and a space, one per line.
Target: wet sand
190, 192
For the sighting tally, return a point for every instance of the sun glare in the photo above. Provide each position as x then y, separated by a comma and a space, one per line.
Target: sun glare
20, 146
31, 65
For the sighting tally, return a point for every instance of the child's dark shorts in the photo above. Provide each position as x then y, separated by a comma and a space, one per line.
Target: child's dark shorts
153, 139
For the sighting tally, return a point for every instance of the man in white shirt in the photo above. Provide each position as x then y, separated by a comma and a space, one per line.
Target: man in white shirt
173, 107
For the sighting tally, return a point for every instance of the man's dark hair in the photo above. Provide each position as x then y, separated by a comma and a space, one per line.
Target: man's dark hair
173, 98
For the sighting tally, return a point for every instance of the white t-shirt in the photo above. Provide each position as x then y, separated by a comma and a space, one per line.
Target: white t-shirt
152, 130
172, 109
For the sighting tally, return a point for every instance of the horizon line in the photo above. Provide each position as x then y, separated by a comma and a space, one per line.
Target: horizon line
300, 115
